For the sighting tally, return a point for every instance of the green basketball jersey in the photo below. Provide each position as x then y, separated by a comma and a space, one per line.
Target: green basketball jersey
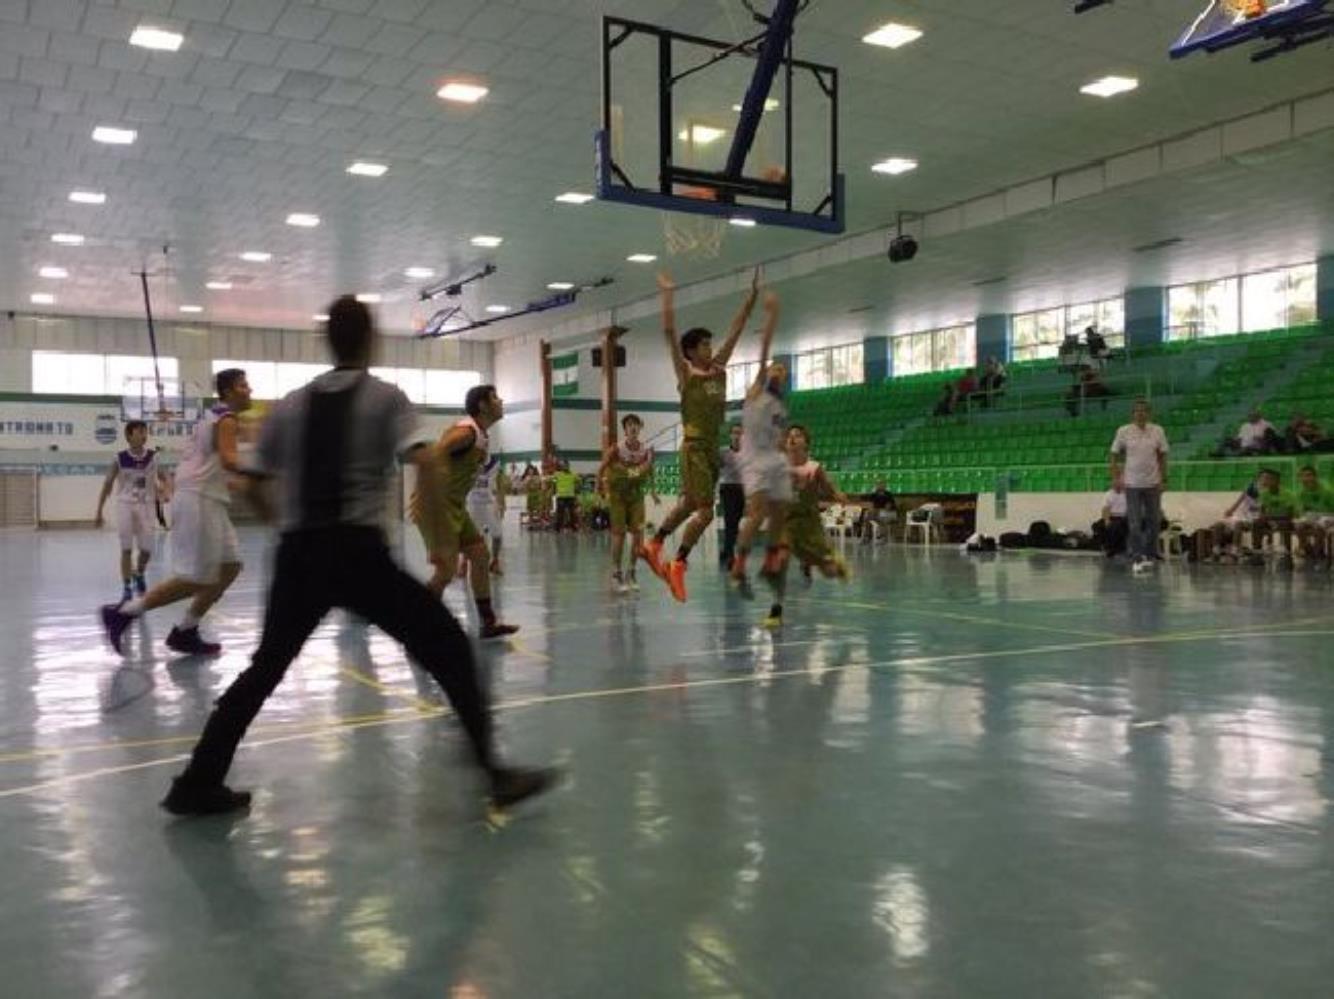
704, 403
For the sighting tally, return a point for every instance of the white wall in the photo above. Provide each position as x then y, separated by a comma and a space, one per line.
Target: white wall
1077, 511
197, 344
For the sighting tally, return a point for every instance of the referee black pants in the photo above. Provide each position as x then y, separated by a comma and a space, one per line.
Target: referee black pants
734, 507
348, 567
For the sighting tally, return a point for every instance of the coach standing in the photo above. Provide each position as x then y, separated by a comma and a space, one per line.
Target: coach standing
1139, 451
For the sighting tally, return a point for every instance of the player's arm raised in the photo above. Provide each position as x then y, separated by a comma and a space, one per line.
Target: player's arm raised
739, 321
667, 294
766, 343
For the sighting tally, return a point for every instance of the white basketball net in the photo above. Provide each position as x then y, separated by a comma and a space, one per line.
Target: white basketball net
694, 236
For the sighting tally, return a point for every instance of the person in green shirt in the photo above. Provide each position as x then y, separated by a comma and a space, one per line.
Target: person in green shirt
567, 492
701, 377
1278, 511
1315, 510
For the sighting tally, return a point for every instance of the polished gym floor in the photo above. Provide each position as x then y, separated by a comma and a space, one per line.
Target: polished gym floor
1024, 775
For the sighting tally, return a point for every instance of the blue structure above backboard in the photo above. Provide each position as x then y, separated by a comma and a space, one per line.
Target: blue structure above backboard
1284, 24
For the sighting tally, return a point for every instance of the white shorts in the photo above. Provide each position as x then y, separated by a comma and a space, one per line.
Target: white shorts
773, 477
486, 518
134, 524
202, 538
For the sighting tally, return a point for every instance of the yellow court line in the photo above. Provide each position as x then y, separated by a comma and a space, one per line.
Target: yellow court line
956, 616
523, 650
725, 681
369, 681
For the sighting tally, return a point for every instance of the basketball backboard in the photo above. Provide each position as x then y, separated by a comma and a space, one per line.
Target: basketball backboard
168, 400
1284, 24
737, 128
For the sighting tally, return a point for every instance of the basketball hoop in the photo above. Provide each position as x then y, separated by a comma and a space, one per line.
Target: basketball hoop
698, 237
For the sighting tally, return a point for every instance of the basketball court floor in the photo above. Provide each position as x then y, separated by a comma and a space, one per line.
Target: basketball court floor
1029, 775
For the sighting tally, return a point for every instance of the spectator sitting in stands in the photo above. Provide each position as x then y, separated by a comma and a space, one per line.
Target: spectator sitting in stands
945, 406
1257, 435
966, 388
1097, 344
1302, 435
1089, 385
1070, 356
1222, 541
880, 515
1111, 529
993, 380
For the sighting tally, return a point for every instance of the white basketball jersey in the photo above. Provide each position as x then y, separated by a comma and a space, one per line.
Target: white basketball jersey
136, 476
200, 469
764, 427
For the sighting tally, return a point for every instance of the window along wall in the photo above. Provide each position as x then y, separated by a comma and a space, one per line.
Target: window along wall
934, 350
740, 376
1038, 334
828, 367
1245, 303
423, 386
59, 372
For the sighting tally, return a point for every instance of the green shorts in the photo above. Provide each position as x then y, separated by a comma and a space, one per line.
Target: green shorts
627, 511
700, 465
808, 541
448, 533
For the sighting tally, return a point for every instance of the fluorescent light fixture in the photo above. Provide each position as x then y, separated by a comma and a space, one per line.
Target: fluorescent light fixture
53, 273
156, 38
369, 298
419, 273
770, 104
574, 198
561, 285
67, 239
361, 169
497, 309
701, 135
256, 256
219, 286
742, 222
462, 93
303, 220
1109, 86
42, 298
321, 317
88, 197
642, 258
487, 241
114, 136
895, 165
892, 35
192, 308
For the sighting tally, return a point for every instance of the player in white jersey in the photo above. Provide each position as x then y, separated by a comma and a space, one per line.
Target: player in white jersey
764, 469
486, 507
204, 555
138, 483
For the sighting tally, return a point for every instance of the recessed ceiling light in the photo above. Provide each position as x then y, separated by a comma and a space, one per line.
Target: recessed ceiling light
561, 285
1109, 86
496, 309
770, 104
192, 308
219, 286
114, 136
369, 298
488, 241
894, 165
462, 93
419, 273
641, 258
67, 239
88, 197
742, 222
892, 35
42, 298
156, 38
701, 135
303, 220
257, 256
53, 273
361, 169
574, 198
321, 317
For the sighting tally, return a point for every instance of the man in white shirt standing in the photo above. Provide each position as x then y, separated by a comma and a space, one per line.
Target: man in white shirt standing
1139, 453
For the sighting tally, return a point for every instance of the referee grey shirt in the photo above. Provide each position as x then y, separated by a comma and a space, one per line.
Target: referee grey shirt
729, 463
382, 425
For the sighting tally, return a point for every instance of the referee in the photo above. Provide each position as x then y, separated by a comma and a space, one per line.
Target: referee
331, 446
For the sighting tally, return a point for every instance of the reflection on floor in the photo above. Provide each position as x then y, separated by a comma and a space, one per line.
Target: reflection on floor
1026, 776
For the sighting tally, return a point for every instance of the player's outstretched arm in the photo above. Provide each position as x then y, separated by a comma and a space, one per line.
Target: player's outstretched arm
739, 321
667, 294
